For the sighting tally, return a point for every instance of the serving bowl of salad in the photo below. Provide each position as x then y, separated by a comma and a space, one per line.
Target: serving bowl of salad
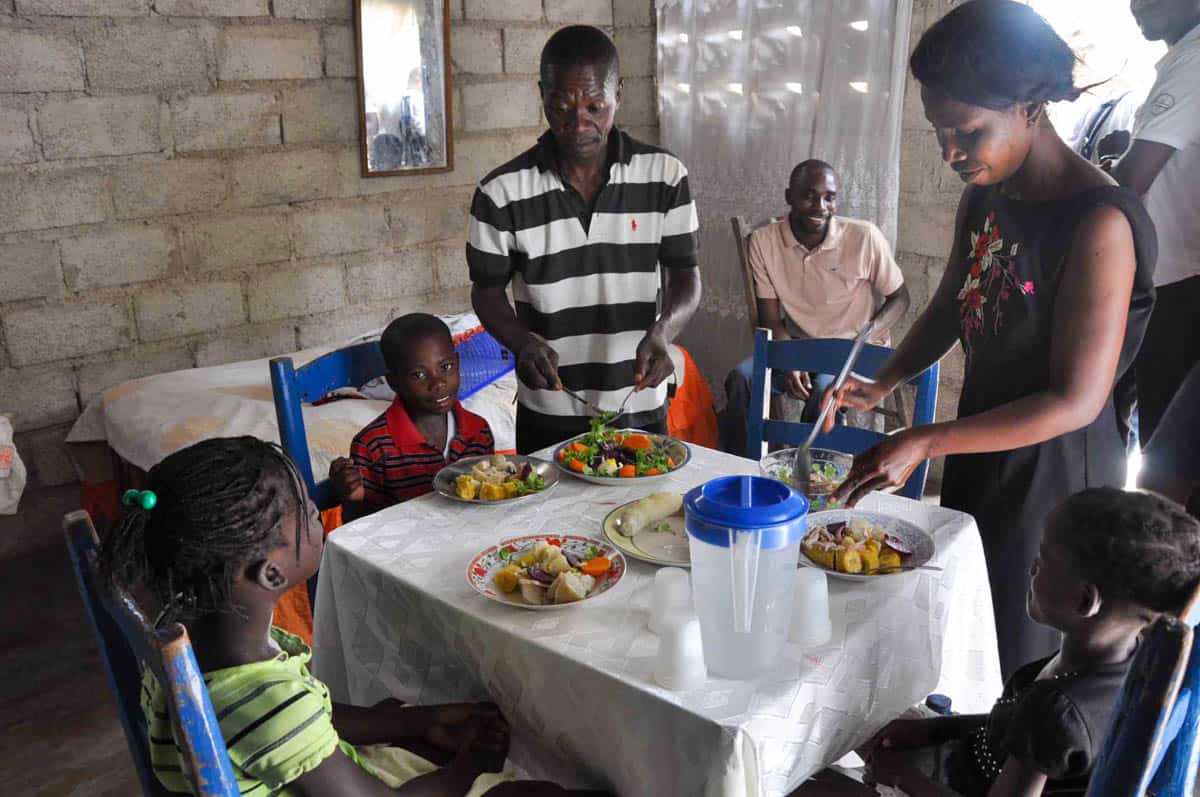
605, 456
829, 469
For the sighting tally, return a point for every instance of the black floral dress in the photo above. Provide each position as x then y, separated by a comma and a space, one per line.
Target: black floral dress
1016, 253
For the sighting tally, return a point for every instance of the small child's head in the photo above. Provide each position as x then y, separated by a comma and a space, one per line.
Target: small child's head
232, 525
422, 363
1108, 555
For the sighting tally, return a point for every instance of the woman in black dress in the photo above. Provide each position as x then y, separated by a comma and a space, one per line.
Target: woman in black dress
1047, 289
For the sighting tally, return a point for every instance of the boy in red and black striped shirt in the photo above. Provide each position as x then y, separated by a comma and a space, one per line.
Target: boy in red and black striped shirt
394, 458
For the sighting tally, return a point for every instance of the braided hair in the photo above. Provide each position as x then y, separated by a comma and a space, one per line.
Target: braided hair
1134, 545
220, 504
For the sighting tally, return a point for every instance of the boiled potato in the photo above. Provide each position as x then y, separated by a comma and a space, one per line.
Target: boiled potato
888, 558
492, 492
466, 487
507, 578
849, 561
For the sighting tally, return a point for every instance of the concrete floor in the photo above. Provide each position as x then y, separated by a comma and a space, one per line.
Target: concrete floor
59, 733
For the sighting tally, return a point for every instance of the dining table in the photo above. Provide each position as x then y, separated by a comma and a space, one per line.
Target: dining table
395, 617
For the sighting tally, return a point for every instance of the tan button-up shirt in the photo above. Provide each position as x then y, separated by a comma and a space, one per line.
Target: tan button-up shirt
830, 291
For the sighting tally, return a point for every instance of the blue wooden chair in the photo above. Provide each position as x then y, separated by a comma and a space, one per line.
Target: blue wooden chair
1139, 756
126, 638
482, 360
827, 357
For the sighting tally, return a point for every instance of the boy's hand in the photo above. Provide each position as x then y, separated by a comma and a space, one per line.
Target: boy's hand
347, 481
799, 385
467, 727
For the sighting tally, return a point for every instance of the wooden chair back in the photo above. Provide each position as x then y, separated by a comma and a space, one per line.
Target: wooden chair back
126, 638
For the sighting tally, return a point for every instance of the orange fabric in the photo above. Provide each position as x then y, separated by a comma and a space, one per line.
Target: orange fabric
101, 500
691, 416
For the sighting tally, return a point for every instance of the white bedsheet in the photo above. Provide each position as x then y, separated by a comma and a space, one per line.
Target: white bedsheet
146, 419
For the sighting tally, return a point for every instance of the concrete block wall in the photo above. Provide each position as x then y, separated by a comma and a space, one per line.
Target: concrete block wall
180, 185
929, 194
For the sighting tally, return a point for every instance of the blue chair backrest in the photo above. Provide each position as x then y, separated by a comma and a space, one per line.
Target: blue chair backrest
827, 357
126, 638
353, 366
1139, 729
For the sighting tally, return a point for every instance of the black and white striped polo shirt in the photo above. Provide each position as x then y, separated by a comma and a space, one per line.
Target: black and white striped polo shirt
586, 279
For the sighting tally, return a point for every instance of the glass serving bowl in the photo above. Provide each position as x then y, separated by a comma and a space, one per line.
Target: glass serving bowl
829, 469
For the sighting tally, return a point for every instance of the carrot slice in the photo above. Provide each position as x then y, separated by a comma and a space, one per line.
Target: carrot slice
627, 471
596, 567
577, 465
653, 472
636, 441
562, 454
671, 463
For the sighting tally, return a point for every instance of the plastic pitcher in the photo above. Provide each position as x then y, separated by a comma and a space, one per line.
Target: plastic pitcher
744, 535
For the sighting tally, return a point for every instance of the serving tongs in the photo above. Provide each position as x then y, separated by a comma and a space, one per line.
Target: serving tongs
596, 411
802, 459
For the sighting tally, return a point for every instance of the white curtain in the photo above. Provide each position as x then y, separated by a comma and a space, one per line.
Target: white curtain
749, 88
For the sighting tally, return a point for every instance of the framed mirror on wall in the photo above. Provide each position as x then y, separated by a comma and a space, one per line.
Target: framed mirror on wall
404, 86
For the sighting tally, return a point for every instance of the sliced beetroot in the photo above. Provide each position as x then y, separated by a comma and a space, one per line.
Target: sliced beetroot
540, 575
572, 559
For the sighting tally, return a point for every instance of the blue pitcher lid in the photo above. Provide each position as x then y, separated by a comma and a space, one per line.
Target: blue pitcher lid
744, 503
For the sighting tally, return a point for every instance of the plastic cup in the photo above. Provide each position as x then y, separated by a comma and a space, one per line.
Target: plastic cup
811, 626
679, 665
671, 593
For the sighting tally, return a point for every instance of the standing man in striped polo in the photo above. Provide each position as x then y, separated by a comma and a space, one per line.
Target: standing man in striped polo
579, 225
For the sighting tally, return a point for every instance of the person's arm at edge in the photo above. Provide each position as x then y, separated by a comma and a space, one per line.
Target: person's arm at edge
338, 776
1139, 167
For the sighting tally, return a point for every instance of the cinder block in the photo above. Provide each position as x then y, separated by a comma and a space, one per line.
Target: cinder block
269, 53
38, 396
40, 200
29, 270
341, 55
643, 133
247, 343
492, 106
226, 121
315, 9
97, 126
579, 12
97, 377
475, 49
926, 225
637, 48
325, 111
920, 161
249, 238
324, 230
187, 309
639, 102
503, 10
523, 49
38, 60
272, 178
116, 256
44, 452
212, 8
45, 334
431, 216
345, 324
16, 140
633, 13
383, 276
148, 56
84, 8
299, 290
181, 185
450, 266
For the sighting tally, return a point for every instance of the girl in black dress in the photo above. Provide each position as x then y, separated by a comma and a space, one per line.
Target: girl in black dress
1047, 289
1109, 563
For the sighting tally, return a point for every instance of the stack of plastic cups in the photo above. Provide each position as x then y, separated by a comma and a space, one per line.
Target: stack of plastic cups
680, 662
671, 594
811, 626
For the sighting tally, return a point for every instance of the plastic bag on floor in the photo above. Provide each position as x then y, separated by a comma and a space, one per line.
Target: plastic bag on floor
12, 470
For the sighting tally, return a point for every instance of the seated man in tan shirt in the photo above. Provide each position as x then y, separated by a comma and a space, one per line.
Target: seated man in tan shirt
816, 276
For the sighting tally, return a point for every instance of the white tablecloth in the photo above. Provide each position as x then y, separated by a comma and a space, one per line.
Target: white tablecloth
397, 618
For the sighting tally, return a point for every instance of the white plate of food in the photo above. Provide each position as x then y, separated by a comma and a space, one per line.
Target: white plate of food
494, 479
651, 529
845, 542
546, 571
610, 456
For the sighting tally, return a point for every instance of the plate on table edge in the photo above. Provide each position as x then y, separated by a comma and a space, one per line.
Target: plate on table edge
482, 567
920, 540
627, 545
443, 480
674, 447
